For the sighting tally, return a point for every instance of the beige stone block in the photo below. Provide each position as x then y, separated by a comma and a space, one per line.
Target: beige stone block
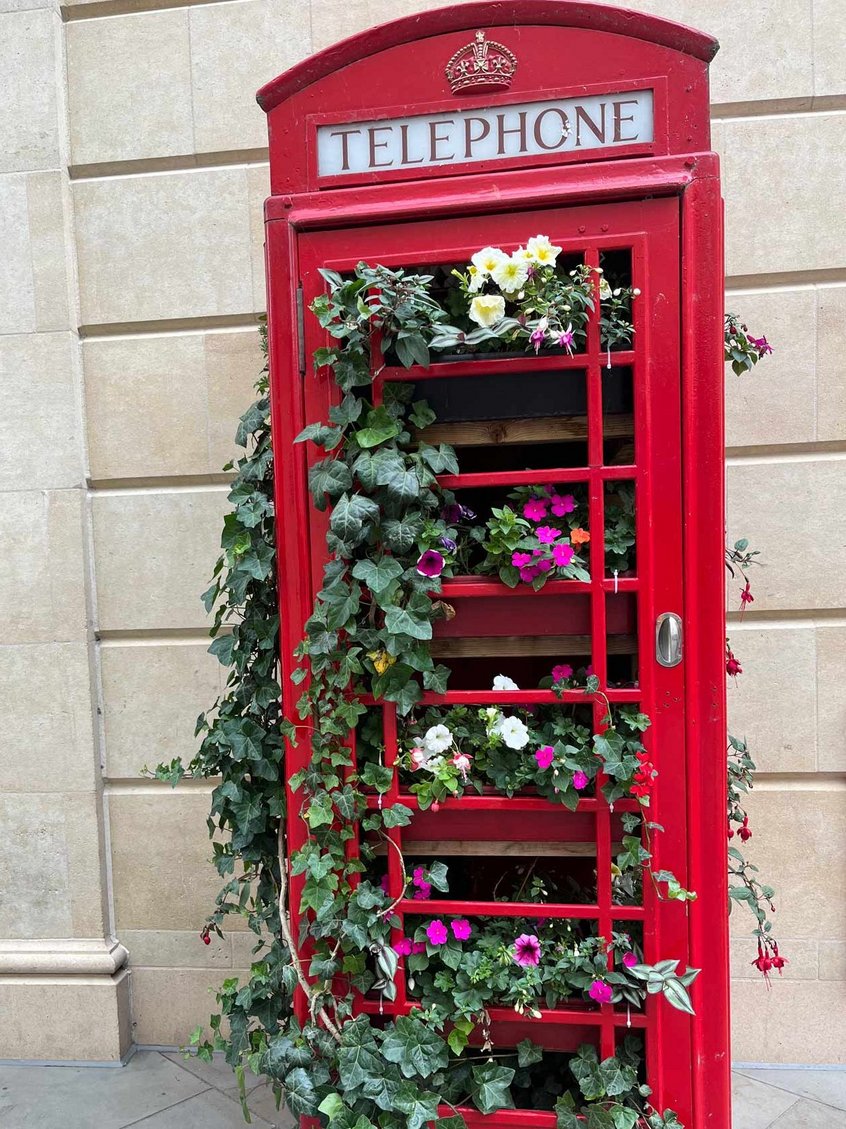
41, 443
799, 845
129, 87
831, 701
152, 696
829, 47
784, 182
42, 581
795, 1022
775, 403
341, 18
33, 282
154, 554
776, 690
162, 874
832, 960
172, 948
803, 955
170, 245
258, 188
167, 405
51, 881
168, 1003
791, 510
46, 693
89, 1017
235, 48
30, 62
831, 363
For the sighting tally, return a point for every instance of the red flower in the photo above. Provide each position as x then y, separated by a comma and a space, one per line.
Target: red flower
746, 597
733, 667
205, 936
643, 777
744, 832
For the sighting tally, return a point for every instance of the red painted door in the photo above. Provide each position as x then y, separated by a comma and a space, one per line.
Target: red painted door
606, 422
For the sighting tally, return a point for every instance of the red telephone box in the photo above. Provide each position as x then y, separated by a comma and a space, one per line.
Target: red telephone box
415, 144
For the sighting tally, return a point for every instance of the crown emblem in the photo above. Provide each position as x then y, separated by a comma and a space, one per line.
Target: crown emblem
481, 63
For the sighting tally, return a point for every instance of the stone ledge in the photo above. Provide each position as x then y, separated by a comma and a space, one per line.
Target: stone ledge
58, 957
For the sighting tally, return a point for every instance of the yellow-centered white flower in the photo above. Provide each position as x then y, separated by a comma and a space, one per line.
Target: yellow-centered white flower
487, 309
477, 279
487, 259
541, 251
511, 274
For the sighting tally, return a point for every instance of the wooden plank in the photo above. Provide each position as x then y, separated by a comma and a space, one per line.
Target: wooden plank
496, 432
522, 646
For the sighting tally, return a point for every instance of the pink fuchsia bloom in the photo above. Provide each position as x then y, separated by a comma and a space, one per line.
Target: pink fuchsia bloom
562, 672
746, 597
600, 992
546, 534
761, 344
431, 563
580, 780
419, 757
535, 509
436, 931
461, 929
403, 947
537, 338
733, 667
566, 339
630, 960
462, 762
520, 560
545, 756
562, 555
527, 950
562, 504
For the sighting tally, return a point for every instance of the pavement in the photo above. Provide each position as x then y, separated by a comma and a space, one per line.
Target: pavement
164, 1090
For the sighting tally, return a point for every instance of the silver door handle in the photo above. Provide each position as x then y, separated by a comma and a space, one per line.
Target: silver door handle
668, 639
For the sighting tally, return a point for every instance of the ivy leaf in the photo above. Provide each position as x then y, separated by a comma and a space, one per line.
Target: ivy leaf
300, 1093
419, 1106
330, 477
379, 427
400, 481
321, 435
617, 1078
400, 536
415, 1048
398, 815
436, 680
528, 1053
223, 647
347, 411
377, 776
349, 515
359, 1059
399, 621
379, 574
490, 1087
459, 1036
421, 415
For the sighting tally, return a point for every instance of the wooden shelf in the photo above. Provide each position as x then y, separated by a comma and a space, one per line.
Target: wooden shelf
494, 432
521, 646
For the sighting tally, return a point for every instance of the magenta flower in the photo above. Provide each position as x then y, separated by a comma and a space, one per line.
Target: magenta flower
544, 566
436, 931
461, 929
562, 672
403, 947
761, 344
418, 947
545, 756
520, 560
562, 504
383, 882
547, 534
431, 563
527, 575
600, 992
580, 780
630, 960
536, 338
566, 339
452, 513
423, 892
562, 555
527, 950
535, 509
418, 875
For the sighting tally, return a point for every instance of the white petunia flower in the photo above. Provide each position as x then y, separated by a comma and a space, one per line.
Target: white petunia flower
485, 260
503, 682
513, 732
487, 309
605, 291
477, 279
541, 251
511, 274
437, 739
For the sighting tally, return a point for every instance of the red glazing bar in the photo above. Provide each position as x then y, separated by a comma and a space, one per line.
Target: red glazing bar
509, 697
465, 587
517, 909
352, 847
504, 478
525, 365
396, 870
565, 1016
502, 1119
525, 804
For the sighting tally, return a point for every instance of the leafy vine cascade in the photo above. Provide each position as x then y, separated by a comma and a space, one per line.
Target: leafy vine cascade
393, 534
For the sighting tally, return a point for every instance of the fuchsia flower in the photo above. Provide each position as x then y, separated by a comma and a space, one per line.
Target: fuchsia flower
580, 780
537, 335
761, 344
562, 672
419, 757
630, 960
527, 950
461, 929
600, 992
546, 534
562, 504
535, 509
436, 931
431, 563
462, 762
545, 756
562, 555
746, 597
520, 560
566, 339
403, 947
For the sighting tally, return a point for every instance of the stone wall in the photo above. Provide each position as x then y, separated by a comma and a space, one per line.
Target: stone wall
133, 173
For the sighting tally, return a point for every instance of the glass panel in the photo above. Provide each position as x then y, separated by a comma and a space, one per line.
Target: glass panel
618, 432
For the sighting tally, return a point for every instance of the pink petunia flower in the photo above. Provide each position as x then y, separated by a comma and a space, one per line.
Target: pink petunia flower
461, 929
562, 672
430, 563
580, 780
630, 960
527, 950
547, 534
562, 504
436, 931
535, 509
562, 555
403, 947
520, 560
545, 756
600, 992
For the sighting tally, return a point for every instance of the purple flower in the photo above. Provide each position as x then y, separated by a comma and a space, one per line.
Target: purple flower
566, 339
545, 756
431, 563
461, 929
535, 509
544, 566
536, 338
418, 947
423, 892
527, 575
580, 780
562, 555
547, 534
436, 931
520, 560
451, 513
600, 992
527, 950
761, 344
449, 544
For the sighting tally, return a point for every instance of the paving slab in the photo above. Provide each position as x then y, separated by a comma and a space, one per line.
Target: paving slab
217, 1073
756, 1105
811, 1115
209, 1110
262, 1101
825, 1086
